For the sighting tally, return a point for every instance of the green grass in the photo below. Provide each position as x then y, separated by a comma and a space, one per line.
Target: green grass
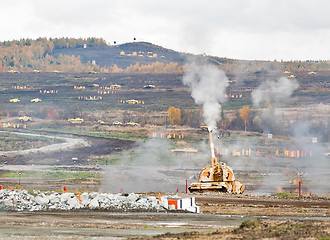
284, 195
253, 223
51, 175
135, 135
103, 160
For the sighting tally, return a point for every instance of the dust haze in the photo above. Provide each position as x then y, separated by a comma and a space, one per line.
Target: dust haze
151, 166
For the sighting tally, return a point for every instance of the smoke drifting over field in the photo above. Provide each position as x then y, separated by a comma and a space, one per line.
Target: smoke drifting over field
208, 85
315, 171
310, 165
151, 166
274, 91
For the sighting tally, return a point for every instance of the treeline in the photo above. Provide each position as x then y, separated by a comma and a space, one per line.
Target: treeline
28, 54
236, 66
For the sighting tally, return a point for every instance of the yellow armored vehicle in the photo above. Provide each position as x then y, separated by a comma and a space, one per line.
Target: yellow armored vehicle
219, 177
132, 124
132, 101
149, 86
15, 100
204, 127
117, 123
101, 122
115, 86
36, 100
25, 119
76, 120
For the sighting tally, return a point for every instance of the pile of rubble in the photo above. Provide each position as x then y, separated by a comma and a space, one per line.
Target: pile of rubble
22, 200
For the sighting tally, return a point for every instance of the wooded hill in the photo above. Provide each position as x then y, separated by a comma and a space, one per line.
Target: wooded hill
95, 55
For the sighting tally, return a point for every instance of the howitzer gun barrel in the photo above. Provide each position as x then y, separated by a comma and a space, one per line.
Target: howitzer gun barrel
214, 159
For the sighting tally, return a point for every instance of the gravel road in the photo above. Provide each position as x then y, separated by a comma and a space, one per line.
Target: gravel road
66, 144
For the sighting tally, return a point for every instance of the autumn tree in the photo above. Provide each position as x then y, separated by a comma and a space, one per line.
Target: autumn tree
52, 113
244, 113
174, 115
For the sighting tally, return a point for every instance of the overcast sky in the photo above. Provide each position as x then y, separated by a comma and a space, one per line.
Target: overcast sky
240, 29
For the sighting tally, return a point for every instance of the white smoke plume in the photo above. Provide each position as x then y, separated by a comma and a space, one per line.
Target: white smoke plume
274, 90
208, 85
151, 166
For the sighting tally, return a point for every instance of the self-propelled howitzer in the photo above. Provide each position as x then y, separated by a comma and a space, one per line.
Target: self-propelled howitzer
218, 177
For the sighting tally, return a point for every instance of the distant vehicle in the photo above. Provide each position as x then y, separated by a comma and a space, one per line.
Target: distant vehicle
25, 119
15, 100
117, 123
184, 150
115, 86
204, 127
149, 86
132, 101
36, 100
76, 120
101, 122
132, 124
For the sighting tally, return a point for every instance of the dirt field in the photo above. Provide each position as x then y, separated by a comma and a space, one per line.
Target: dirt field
223, 217
114, 158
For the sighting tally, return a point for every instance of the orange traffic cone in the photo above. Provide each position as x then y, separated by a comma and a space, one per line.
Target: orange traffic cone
160, 199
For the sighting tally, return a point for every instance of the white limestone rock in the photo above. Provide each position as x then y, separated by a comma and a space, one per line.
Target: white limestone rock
41, 200
94, 204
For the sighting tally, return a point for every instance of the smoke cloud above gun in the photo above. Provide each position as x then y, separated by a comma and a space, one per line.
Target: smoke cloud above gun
208, 85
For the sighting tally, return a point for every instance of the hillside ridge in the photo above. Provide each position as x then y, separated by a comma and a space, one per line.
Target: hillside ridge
124, 55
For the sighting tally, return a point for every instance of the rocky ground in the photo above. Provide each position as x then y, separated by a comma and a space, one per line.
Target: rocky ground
65, 215
32, 201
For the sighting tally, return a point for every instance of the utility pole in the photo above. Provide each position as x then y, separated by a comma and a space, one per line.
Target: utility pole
19, 178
